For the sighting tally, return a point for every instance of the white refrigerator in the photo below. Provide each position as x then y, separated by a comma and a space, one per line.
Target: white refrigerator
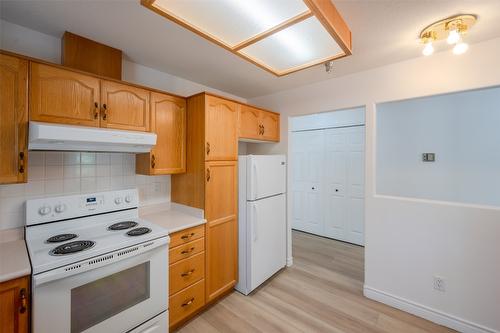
262, 219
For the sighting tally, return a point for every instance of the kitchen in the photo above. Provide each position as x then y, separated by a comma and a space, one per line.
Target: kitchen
135, 200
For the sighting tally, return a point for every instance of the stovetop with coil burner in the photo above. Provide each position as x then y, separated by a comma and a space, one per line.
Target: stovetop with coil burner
59, 243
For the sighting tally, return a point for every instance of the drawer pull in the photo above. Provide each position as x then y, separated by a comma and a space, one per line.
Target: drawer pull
208, 148
23, 300
188, 302
188, 236
188, 273
187, 251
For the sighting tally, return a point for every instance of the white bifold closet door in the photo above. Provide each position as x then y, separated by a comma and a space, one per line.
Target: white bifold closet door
328, 182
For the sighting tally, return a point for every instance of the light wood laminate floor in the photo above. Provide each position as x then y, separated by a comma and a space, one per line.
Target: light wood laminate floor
321, 292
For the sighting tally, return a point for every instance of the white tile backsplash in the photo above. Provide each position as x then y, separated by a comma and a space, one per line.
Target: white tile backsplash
66, 173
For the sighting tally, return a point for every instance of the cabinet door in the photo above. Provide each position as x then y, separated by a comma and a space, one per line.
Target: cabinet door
62, 96
221, 229
14, 306
221, 129
249, 123
168, 121
13, 119
270, 126
124, 107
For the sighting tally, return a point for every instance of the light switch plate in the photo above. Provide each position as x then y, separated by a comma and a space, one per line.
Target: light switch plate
428, 157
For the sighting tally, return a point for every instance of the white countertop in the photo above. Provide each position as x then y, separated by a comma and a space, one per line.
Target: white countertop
14, 260
173, 217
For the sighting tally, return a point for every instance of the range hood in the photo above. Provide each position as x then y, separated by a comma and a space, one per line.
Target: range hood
45, 136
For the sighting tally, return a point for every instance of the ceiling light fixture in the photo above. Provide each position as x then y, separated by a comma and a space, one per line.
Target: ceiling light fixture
452, 29
281, 37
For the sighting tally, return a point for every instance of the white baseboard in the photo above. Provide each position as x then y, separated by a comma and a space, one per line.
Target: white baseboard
423, 311
289, 261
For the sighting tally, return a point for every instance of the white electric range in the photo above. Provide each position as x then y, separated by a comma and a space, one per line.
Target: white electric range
97, 267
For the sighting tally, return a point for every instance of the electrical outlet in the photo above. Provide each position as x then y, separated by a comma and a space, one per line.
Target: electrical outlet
439, 284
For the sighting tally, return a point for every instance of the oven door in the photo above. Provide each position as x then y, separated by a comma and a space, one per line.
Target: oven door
113, 298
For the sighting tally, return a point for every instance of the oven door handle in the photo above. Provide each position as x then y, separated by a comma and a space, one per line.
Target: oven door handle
99, 261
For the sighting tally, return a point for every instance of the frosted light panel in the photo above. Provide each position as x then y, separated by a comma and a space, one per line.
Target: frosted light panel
460, 128
232, 21
301, 44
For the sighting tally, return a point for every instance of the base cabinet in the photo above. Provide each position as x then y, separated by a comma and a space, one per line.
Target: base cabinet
14, 306
186, 274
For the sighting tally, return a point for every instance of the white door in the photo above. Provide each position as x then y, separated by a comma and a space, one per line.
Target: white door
328, 182
267, 238
266, 176
344, 184
307, 173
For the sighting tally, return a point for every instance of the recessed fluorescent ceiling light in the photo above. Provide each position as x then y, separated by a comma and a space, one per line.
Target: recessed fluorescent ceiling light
280, 36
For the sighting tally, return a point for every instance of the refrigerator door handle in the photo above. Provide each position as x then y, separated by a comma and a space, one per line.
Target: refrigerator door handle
254, 180
254, 222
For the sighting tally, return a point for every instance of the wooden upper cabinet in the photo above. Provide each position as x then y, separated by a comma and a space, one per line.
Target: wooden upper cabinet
221, 129
168, 121
270, 122
221, 229
63, 96
14, 306
13, 119
258, 124
124, 107
249, 122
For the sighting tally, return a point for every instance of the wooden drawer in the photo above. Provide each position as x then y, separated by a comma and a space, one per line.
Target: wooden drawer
187, 250
186, 302
185, 272
188, 235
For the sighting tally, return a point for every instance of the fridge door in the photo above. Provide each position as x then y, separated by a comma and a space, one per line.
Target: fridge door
266, 176
266, 239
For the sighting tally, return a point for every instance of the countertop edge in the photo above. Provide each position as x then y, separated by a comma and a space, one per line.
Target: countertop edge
19, 263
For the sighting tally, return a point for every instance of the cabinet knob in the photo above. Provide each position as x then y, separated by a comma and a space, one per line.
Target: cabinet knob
104, 112
336, 190
96, 110
21, 162
208, 175
23, 301
208, 148
153, 161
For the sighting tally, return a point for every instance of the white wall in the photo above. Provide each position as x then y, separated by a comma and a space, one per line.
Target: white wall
48, 174
462, 129
408, 241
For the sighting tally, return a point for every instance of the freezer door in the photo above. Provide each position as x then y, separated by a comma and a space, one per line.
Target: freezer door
266, 176
266, 239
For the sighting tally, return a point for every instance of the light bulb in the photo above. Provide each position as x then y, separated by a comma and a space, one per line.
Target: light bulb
453, 37
428, 49
460, 48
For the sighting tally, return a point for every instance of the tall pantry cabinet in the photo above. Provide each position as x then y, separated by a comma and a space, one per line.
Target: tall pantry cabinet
210, 183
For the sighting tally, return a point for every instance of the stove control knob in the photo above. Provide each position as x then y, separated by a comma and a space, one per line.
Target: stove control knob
44, 210
118, 200
128, 199
60, 208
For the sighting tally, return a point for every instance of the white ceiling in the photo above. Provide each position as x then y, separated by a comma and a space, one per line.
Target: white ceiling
383, 32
